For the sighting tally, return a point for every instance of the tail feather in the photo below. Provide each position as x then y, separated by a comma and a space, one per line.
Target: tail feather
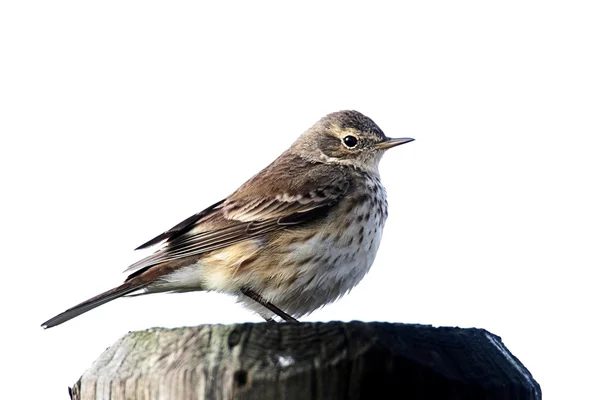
92, 303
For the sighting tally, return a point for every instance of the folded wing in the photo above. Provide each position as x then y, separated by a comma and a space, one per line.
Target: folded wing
247, 214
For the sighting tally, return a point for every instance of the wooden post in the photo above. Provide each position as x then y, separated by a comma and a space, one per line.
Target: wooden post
332, 360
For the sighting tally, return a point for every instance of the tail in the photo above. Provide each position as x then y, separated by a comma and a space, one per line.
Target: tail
109, 295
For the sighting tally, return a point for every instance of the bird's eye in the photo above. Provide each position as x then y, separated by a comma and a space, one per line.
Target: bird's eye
350, 141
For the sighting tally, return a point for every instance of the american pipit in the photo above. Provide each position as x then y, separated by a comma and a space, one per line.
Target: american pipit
296, 236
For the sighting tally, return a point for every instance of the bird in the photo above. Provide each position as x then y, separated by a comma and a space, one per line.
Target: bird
296, 236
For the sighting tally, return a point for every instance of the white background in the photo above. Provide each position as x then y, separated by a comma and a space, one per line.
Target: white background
119, 119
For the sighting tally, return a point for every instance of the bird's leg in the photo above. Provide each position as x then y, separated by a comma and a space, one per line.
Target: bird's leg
273, 308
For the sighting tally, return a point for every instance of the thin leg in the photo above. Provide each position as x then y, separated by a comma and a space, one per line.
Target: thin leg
273, 308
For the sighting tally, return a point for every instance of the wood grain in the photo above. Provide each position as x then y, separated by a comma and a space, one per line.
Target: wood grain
332, 360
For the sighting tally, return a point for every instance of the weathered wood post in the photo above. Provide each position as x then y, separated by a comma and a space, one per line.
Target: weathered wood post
332, 360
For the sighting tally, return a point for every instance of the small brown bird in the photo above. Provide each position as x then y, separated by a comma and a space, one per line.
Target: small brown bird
296, 236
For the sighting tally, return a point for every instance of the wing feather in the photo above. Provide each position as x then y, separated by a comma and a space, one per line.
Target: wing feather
181, 227
248, 214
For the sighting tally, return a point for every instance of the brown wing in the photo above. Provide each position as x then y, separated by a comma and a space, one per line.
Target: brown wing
181, 227
285, 194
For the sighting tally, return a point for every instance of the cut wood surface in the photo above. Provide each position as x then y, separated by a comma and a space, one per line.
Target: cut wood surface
334, 360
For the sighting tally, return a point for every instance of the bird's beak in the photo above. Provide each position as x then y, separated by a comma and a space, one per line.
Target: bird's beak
388, 143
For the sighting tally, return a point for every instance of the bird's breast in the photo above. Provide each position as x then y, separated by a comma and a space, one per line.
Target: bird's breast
329, 259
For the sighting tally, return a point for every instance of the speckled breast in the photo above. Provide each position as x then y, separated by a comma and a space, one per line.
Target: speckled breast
329, 261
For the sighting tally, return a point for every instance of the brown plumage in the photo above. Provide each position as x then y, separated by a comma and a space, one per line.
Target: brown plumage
299, 234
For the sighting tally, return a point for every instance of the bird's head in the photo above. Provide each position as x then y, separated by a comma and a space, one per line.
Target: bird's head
346, 137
